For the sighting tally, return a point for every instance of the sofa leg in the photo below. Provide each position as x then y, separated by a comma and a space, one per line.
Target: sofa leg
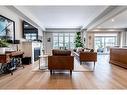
94, 66
70, 72
80, 62
51, 72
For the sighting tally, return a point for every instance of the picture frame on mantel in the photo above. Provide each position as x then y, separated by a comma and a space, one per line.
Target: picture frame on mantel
7, 29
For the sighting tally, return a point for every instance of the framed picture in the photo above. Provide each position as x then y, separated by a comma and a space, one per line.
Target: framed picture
7, 28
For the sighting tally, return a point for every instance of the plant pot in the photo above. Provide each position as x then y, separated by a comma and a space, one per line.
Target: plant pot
2, 50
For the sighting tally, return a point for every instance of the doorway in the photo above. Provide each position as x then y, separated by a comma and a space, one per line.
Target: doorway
102, 43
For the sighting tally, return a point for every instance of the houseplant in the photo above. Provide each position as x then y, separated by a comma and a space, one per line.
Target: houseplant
3, 45
78, 40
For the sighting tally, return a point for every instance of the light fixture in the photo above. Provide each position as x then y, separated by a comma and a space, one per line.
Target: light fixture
112, 20
98, 27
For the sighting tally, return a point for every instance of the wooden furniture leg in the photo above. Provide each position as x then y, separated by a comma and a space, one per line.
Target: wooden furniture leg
51, 72
94, 66
20, 59
80, 62
8, 68
70, 72
1, 70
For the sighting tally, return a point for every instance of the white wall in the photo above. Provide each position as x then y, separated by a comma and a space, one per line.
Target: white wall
18, 23
84, 34
40, 32
90, 40
48, 45
126, 37
11, 15
123, 38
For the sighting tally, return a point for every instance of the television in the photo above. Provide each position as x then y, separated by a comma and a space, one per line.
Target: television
7, 28
29, 31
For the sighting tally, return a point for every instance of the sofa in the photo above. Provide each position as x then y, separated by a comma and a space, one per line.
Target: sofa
86, 56
61, 60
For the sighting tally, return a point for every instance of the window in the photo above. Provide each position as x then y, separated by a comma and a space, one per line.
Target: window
102, 42
72, 40
55, 40
63, 40
67, 40
105, 41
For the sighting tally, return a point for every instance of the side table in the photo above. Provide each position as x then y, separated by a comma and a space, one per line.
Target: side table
43, 59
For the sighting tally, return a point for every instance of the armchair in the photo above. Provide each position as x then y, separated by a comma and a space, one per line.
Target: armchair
86, 57
61, 60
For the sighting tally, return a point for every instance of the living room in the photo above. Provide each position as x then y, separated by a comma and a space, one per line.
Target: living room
91, 39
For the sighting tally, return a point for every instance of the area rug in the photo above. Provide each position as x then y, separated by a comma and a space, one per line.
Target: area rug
85, 66
77, 67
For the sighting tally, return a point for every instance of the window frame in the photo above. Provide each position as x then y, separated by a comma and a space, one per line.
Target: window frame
64, 36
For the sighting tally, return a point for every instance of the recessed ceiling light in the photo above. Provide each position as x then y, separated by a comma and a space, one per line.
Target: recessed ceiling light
112, 20
98, 27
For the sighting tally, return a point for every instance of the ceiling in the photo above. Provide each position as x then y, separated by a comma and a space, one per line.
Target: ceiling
65, 16
118, 21
81, 17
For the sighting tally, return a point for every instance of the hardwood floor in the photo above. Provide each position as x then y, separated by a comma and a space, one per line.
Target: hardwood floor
105, 76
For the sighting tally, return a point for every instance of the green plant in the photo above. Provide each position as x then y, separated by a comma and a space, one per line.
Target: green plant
3, 43
78, 40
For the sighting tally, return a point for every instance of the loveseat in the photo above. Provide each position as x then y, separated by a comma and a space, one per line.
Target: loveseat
61, 60
86, 56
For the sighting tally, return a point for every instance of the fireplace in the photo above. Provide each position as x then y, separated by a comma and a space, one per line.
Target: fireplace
36, 53
32, 50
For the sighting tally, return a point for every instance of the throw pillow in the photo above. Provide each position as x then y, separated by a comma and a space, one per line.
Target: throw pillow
79, 49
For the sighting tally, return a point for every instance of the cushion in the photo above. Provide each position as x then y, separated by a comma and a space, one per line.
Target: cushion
79, 49
61, 52
86, 50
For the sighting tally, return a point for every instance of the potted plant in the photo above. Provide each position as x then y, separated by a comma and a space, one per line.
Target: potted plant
3, 45
78, 40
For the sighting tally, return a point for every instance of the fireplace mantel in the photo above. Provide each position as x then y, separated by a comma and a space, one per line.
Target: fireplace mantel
30, 48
